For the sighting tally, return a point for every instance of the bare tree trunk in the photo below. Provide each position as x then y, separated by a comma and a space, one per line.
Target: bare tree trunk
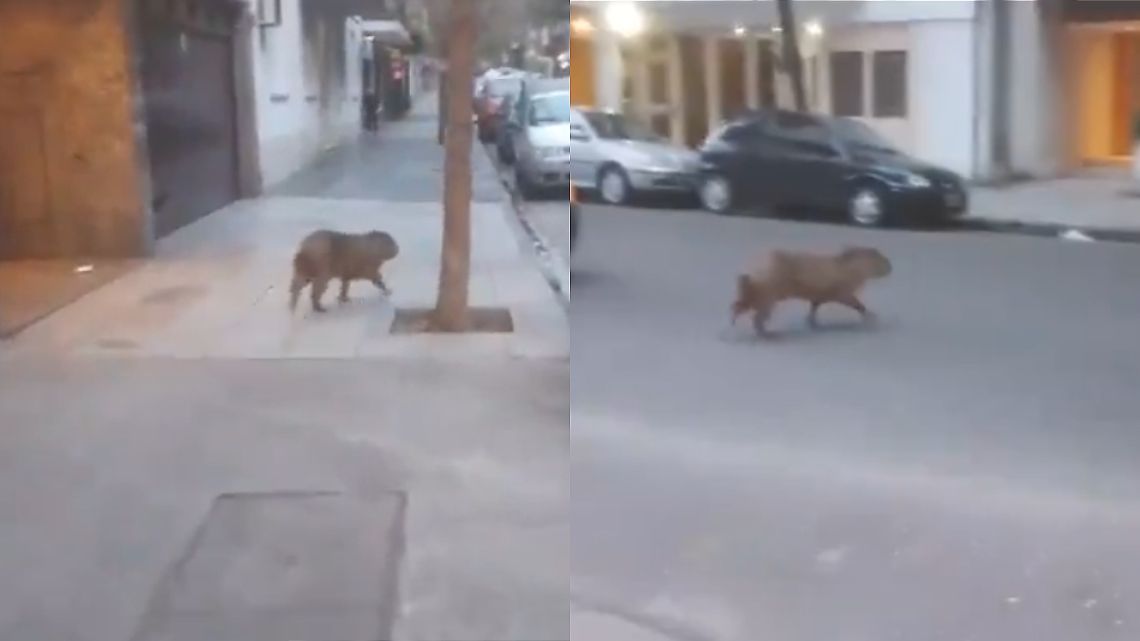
455, 260
793, 63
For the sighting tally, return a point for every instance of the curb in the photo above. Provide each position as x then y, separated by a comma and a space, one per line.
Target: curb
553, 267
1046, 230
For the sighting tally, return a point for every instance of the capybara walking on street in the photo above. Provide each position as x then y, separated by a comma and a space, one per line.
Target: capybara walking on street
815, 278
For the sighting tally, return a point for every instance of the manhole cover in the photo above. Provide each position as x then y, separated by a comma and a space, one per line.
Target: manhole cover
284, 567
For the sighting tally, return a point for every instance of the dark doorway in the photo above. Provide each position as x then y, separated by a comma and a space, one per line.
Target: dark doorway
188, 85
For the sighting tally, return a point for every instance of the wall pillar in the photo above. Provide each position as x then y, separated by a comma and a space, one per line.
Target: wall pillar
712, 81
640, 77
751, 72
676, 92
608, 71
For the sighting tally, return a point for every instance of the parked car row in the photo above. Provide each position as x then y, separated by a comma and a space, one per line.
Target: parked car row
534, 135
771, 158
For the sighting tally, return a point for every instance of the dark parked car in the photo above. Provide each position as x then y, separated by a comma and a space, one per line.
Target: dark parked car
788, 159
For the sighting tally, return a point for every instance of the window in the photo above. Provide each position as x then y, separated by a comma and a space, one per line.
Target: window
801, 133
550, 109
889, 69
740, 132
847, 83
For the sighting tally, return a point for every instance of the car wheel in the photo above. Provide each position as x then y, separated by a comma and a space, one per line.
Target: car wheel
613, 185
715, 194
506, 151
573, 225
866, 208
525, 186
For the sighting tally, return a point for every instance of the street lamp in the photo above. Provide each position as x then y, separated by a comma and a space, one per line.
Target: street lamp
581, 26
813, 28
624, 19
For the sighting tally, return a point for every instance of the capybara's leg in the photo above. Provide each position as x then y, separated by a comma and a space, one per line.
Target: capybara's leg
295, 288
343, 290
763, 311
320, 284
854, 303
378, 280
811, 319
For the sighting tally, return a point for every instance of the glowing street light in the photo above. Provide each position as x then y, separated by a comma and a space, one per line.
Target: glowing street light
582, 26
739, 30
813, 28
624, 19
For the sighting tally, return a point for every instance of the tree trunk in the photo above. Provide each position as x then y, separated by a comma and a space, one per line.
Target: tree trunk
455, 260
793, 63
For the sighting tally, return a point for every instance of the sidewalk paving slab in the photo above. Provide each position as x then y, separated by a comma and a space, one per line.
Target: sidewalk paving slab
128, 413
218, 289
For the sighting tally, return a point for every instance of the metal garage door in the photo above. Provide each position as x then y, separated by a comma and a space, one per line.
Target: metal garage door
188, 85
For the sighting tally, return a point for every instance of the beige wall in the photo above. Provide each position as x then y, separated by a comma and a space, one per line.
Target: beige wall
70, 183
1092, 51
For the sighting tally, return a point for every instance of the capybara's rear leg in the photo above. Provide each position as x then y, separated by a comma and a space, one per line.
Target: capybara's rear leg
344, 282
295, 288
320, 284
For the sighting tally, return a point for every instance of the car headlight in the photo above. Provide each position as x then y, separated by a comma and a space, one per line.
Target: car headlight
917, 181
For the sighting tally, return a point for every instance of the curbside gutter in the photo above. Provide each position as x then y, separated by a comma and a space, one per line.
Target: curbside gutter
1048, 230
555, 268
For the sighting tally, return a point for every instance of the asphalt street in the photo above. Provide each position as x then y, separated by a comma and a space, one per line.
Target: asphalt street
965, 469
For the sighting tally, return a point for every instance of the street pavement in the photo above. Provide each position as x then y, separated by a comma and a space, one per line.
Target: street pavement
965, 469
184, 460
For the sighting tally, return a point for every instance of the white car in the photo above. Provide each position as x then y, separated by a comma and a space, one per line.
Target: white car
618, 157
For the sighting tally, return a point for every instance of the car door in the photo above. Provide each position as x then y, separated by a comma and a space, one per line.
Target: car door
731, 152
584, 153
804, 166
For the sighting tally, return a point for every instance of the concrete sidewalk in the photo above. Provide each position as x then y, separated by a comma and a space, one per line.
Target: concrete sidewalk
1104, 202
185, 460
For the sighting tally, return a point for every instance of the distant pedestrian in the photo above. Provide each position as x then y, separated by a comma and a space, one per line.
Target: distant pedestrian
371, 106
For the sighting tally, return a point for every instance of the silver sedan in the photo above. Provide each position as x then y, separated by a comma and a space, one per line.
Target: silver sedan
617, 156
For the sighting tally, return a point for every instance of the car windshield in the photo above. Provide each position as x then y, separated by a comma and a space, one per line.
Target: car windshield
860, 137
550, 109
619, 127
500, 87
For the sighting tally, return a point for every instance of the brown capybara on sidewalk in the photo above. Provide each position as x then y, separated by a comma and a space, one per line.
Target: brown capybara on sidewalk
325, 255
815, 278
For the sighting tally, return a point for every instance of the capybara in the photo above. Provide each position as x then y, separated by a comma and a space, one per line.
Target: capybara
815, 278
325, 255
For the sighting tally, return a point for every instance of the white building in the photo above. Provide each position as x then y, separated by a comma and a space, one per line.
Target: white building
920, 72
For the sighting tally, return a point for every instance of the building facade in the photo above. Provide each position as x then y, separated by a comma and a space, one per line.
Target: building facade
921, 73
123, 120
